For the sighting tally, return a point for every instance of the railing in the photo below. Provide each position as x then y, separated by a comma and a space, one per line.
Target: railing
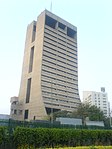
12, 124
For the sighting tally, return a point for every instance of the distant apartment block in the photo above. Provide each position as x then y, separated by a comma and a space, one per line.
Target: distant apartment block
49, 81
99, 99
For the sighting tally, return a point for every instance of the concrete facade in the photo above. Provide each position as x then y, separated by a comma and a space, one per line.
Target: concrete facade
49, 80
99, 99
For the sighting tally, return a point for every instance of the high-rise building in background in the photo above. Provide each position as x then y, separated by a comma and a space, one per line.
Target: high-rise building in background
99, 99
49, 81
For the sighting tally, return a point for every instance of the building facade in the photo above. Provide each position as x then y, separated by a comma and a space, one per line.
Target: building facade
49, 79
99, 99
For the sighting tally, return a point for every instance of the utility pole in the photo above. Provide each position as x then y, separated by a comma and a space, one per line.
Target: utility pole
51, 105
110, 118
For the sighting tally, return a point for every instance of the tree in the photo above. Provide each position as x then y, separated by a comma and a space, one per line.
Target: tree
60, 114
92, 112
95, 114
83, 111
107, 122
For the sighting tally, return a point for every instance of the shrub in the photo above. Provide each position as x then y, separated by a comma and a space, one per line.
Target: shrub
55, 137
1, 134
6, 138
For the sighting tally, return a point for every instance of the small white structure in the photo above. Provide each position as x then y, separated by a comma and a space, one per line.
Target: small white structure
95, 123
99, 99
69, 121
76, 121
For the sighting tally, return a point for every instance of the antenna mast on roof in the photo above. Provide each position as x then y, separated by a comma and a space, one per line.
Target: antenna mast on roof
51, 6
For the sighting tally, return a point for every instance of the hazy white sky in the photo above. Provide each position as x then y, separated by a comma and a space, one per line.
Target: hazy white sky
93, 19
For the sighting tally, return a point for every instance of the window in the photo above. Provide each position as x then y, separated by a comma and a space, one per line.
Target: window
33, 33
104, 101
31, 59
26, 114
14, 103
28, 90
15, 111
34, 28
104, 95
50, 22
71, 33
62, 26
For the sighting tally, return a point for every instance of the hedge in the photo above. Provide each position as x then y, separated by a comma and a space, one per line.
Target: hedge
55, 137
6, 139
2, 129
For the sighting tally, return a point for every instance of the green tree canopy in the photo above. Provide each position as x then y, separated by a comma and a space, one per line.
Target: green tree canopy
60, 114
92, 112
83, 111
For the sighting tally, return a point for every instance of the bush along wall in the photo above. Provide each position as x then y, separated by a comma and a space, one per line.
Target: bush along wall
53, 137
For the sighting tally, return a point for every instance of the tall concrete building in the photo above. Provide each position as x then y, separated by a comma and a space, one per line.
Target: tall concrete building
49, 79
99, 99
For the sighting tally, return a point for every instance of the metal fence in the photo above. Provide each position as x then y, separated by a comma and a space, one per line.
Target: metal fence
12, 124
